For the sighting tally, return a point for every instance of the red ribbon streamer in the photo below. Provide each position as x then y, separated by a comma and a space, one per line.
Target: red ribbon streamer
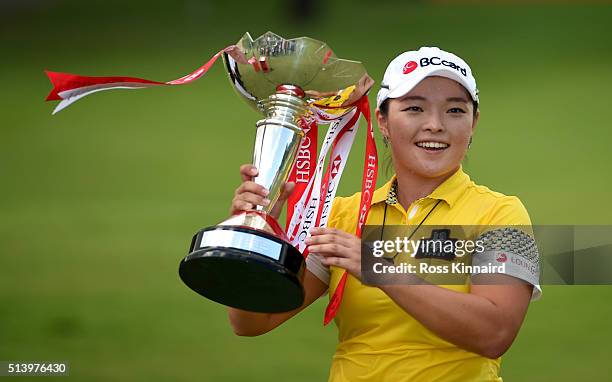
370, 173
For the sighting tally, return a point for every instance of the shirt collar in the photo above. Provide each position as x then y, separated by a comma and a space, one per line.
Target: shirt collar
450, 190
384, 192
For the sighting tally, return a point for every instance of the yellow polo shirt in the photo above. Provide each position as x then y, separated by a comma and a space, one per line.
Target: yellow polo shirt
378, 341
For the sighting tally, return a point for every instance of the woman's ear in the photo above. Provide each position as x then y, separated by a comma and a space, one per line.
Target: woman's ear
475, 122
382, 123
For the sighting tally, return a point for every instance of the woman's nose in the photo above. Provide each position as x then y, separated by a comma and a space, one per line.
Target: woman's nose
433, 124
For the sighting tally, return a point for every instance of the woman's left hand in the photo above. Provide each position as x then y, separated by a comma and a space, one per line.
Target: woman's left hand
337, 248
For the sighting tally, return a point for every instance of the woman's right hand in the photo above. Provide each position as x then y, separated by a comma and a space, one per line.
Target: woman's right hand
250, 194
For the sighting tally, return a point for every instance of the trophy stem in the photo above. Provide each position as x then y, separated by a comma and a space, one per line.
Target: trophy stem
278, 139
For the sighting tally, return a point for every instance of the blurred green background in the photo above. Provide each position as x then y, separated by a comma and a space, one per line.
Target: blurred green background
98, 203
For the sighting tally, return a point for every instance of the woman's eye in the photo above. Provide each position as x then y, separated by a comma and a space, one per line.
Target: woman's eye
456, 110
413, 108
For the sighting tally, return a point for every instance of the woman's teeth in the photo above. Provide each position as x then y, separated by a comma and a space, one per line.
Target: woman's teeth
432, 145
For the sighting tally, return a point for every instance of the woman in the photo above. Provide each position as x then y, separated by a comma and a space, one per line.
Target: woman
427, 112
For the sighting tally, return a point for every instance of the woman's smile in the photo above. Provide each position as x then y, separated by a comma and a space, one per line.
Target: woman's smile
432, 147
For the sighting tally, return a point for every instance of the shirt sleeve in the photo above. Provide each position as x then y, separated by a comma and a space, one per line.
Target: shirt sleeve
316, 267
313, 260
508, 240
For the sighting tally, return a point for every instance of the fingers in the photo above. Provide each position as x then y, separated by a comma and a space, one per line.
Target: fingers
247, 201
249, 194
288, 189
337, 248
329, 250
240, 205
318, 231
247, 172
331, 242
252, 188
254, 199
341, 262
328, 239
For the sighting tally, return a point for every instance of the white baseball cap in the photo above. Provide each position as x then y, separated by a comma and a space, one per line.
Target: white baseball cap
410, 68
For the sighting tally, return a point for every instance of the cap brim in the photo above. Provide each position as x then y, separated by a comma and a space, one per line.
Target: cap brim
406, 86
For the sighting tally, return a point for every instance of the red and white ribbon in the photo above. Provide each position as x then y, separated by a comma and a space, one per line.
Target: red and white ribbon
304, 166
307, 210
370, 173
69, 88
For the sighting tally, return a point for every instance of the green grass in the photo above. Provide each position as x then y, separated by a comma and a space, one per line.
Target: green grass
98, 203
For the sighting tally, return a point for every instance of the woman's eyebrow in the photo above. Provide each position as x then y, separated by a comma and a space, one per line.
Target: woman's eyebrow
415, 97
421, 98
456, 99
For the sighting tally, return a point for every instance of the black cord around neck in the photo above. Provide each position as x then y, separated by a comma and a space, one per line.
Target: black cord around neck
414, 231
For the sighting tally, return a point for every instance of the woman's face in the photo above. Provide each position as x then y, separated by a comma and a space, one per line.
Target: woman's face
429, 128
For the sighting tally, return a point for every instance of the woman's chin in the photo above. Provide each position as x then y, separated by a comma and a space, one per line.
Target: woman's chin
434, 172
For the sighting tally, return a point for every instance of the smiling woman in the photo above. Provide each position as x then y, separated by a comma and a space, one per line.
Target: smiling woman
432, 127
427, 113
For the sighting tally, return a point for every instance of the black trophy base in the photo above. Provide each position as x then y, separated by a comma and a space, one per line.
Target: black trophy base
244, 268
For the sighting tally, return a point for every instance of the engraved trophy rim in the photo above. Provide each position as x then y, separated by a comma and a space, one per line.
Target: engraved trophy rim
271, 60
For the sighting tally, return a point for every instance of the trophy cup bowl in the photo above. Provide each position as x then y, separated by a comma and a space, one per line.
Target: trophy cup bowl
246, 261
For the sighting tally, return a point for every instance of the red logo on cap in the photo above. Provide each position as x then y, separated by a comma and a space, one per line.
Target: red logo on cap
410, 66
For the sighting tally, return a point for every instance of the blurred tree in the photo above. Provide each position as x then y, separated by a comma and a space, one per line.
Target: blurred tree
303, 11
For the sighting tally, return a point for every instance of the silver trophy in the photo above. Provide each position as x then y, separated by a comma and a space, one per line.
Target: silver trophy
246, 262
